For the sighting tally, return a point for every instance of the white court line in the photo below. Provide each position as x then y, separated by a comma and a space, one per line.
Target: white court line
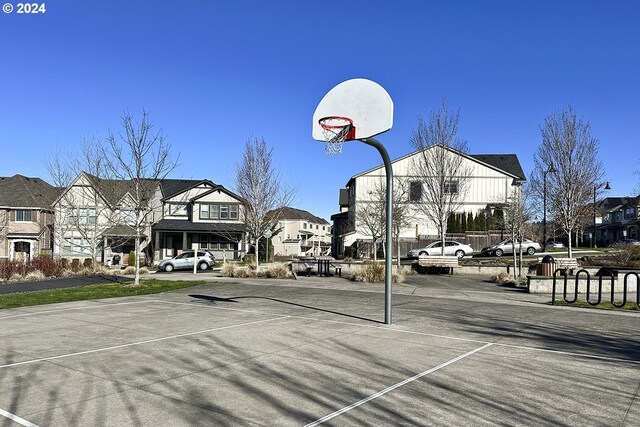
61, 356
32, 313
395, 386
16, 418
387, 328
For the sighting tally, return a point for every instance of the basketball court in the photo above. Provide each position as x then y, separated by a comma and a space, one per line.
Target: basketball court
316, 352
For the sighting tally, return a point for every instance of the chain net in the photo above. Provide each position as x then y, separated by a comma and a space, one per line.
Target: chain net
335, 130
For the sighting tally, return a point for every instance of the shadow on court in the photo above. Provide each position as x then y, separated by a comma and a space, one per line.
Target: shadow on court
293, 304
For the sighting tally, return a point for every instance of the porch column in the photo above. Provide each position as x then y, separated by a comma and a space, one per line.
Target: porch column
158, 255
104, 250
184, 241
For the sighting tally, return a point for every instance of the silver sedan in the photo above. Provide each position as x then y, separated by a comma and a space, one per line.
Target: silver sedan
450, 248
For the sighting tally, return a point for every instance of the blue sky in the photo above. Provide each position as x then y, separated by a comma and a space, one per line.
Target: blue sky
214, 73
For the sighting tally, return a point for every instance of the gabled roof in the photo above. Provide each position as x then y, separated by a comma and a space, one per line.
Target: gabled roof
26, 192
506, 163
293, 213
615, 203
172, 187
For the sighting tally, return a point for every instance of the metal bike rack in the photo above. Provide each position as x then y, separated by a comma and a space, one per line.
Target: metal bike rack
587, 275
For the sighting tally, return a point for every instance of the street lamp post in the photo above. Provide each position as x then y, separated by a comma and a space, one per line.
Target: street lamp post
268, 233
595, 190
550, 169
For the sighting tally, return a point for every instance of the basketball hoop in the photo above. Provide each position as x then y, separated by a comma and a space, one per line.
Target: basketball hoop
336, 130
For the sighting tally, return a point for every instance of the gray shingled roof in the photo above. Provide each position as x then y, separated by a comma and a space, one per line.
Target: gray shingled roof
171, 187
113, 190
27, 192
293, 213
506, 162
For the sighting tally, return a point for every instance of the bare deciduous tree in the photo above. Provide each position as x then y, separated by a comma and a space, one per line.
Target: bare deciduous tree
4, 225
83, 212
371, 215
142, 157
517, 213
567, 143
439, 167
259, 184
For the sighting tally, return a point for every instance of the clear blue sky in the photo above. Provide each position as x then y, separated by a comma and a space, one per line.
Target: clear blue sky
214, 73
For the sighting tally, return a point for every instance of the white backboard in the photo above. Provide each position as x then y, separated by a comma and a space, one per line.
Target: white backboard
365, 102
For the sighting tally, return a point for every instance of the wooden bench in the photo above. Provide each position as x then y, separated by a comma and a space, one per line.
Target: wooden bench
426, 262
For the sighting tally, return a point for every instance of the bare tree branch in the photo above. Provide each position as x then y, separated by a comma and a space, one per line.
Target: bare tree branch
439, 167
259, 184
567, 143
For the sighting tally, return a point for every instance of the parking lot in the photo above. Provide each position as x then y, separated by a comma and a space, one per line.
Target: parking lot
313, 351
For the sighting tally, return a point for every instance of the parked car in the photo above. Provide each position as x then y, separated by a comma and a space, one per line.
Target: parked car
185, 261
554, 245
505, 247
450, 248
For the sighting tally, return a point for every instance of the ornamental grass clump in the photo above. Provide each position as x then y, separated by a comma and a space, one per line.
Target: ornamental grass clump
374, 273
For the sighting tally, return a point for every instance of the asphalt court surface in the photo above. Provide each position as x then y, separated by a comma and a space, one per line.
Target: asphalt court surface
314, 352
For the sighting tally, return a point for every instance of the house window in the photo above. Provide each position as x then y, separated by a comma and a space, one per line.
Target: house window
224, 211
23, 215
218, 211
629, 213
128, 216
415, 191
177, 209
451, 186
214, 242
82, 216
304, 225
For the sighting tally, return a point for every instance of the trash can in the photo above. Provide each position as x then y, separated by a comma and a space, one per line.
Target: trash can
546, 267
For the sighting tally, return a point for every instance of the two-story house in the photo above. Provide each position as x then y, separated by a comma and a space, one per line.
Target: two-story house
26, 217
620, 219
299, 232
198, 212
96, 218
490, 180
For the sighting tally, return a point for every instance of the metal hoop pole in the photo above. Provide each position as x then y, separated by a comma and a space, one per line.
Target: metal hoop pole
388, 244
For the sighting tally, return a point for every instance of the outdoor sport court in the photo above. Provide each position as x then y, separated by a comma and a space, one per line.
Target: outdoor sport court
315, 352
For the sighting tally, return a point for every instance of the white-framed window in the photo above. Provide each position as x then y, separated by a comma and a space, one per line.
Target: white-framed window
23, 215
128, 216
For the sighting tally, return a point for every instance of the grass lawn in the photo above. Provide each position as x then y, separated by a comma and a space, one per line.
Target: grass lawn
106, 290
603, 305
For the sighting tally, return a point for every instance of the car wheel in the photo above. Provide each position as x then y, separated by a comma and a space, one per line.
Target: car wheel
531, 251
423, 253
168, 268
460, 254
203, 266
499, 252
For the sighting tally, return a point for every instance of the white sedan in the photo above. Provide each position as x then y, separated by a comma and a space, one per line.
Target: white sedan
450, 248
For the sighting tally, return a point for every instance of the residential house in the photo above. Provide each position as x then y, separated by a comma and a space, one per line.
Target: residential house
26, 217
96, 218
299, 233
198, 212
492, 180
620, 219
